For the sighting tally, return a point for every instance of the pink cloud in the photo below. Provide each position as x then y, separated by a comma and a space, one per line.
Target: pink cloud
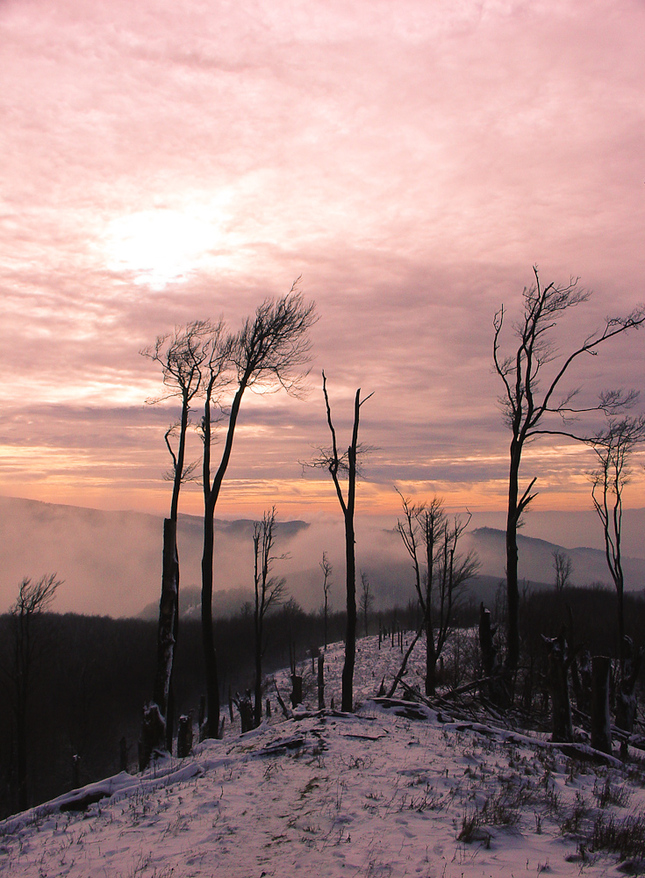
410, 160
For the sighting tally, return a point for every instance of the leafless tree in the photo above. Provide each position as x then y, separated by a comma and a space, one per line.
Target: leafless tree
33, 599
326, 568
533, 396
366, 600
269, 592
184, 357
343, 466
270, 352
440, 572
563, 567
613, 448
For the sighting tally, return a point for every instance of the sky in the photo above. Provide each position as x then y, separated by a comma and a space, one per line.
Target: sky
409, 162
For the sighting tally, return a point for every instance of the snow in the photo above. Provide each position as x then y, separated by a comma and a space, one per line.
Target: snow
394, 789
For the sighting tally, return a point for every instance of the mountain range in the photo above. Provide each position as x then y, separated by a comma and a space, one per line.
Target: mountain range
111, 561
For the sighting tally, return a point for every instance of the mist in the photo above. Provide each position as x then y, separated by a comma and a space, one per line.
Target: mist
111, 561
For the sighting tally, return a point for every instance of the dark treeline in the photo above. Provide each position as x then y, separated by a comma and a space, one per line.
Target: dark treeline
591, 611
93, 673
84, 696
586, 619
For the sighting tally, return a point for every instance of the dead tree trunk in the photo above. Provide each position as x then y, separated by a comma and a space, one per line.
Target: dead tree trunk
559, 661
493, 670
600, 721
340, 465
321, 681
185, 737
296, 690
626, 696
167, 625
245, 707
404, 664
152, 730
486, 645
582, 680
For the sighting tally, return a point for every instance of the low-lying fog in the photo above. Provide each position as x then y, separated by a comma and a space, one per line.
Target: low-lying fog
111, 561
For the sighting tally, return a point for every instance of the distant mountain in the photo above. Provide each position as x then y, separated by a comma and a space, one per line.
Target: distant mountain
536, 560
111, 561
225, 603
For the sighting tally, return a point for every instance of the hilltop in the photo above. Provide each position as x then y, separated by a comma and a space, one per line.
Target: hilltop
394, 790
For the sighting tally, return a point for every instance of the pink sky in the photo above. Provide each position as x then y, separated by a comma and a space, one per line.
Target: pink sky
411, 160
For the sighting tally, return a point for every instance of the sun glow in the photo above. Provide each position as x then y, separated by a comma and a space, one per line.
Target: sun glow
162, 246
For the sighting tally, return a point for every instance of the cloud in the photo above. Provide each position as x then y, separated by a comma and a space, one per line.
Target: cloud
411, 161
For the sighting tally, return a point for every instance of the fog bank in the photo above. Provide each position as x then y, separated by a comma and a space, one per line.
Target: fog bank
111, 561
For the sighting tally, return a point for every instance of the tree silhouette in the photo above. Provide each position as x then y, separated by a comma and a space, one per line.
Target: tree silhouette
270, 351
563, 567
532, 378
326, 568
430, 538
339, 466
366, 600
613, 447
33, 598
184, 356
269, 591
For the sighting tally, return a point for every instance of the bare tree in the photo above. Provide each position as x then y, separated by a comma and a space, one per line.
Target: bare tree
366, 600
613, 448
453, 570
184, 356
430, 538
345, 466
326, 568
33, 599
532, 396
269, 592
270, 351
563, 567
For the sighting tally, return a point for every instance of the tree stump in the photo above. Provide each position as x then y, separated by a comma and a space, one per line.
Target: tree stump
245, 707
152, 732
185, 737
201, 724
296, 690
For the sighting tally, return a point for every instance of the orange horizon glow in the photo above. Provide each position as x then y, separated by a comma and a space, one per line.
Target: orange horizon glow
309, 500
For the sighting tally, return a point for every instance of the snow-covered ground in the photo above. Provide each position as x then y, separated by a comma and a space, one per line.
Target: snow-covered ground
387, 791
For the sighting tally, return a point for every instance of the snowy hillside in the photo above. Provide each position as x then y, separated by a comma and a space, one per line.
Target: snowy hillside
392, 790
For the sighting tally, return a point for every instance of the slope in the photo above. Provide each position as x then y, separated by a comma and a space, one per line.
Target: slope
394, 790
